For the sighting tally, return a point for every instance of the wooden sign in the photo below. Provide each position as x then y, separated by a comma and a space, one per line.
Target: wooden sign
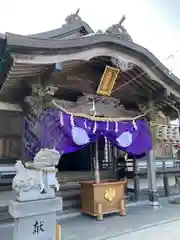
107, 81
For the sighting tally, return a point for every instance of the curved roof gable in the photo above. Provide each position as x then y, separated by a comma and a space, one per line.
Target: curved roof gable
67, 46
46, 48
74, 24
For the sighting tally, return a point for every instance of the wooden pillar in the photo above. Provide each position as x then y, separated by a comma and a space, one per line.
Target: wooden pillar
106, 150
151, 165
97, 174
91, 152
166, 185
136, 180
177, 179
1, 147
110, 154
114, 158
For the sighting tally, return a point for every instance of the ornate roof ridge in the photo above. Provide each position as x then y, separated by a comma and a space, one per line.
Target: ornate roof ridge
119, 30
72, 22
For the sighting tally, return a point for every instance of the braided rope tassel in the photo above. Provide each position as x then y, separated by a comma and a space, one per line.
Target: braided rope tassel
61, 119
116, 127
85, 123
95, 127
107, 126
72, 121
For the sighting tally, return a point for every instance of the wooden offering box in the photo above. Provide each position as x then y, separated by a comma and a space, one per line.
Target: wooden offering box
102, 198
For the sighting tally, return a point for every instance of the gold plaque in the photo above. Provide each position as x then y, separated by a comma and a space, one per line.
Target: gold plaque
107, 81
110, 194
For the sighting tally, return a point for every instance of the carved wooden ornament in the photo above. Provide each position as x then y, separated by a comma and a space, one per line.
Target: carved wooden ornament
107, 81
110, 194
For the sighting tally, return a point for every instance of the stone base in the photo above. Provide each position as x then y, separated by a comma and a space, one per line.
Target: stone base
153, 200
35, 194
153, 196
35, 219
175, 200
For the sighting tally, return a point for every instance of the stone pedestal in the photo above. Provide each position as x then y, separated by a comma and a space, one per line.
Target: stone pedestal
35, 220
34, 209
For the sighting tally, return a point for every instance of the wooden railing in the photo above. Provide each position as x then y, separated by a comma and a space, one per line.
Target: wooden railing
164, 166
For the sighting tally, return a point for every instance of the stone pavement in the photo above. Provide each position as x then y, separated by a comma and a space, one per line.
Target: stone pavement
165, 231
115, 227
141, 222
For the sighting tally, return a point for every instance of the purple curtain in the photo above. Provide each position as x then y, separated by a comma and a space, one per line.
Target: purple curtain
67, 134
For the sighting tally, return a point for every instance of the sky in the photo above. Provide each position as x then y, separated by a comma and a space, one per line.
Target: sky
154, 24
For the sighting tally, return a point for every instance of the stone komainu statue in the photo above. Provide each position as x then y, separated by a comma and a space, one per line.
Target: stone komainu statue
37, 180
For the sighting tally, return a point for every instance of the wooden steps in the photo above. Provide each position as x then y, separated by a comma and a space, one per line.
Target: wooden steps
70, 186
4, 215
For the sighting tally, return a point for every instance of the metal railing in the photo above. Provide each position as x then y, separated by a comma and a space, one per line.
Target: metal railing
161, 164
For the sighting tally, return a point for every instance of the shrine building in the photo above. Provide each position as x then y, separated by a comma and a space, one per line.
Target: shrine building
88, 84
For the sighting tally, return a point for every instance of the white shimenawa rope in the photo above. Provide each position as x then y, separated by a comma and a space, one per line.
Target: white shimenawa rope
121, 119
